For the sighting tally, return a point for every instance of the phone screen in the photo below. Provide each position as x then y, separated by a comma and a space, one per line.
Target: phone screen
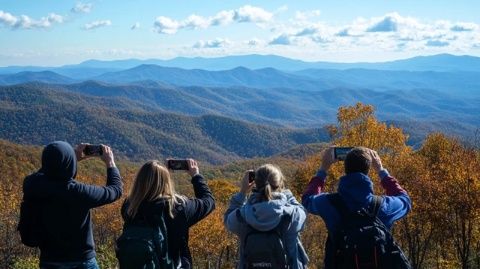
93, 150
340, 153
251, 176
177, 164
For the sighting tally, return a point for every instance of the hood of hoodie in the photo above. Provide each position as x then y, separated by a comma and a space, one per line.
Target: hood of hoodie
356, 189
266, 215
59, 161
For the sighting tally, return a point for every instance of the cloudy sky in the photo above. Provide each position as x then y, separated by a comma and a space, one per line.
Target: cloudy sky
52, 32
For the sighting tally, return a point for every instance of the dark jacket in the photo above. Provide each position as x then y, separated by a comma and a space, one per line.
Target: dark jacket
65, 204
186, 215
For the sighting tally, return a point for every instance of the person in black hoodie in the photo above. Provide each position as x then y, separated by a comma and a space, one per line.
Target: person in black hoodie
66, 228
153, 193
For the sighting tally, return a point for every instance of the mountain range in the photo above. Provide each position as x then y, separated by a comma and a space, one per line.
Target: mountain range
440, 63
146, 109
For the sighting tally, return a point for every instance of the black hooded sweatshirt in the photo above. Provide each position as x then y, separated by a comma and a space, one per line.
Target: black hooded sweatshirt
186, 214
65, 204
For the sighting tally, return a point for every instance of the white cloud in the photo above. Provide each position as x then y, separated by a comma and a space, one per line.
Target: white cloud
464, 27
165, 25
283, 39
7, 18
211, 44
82, 8
254, 42
250, 14
135, 26
387, 24
307, 31
97, 24
388, 33
25, 22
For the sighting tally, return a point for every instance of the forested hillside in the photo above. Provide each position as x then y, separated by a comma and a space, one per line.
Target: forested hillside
37, 116
442, 177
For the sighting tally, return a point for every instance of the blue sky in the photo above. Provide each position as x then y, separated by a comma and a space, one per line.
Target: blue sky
52, 32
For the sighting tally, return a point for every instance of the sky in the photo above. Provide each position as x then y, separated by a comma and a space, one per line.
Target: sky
54, 33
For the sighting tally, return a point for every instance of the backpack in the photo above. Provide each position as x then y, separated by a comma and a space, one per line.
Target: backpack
264, 249
29, 225
144, 246
362, 241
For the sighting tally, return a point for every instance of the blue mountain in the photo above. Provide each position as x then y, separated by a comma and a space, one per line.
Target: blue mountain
440, 62
29, 76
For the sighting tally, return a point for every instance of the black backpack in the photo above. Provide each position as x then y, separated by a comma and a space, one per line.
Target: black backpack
144, 246
362, 241
29, 224
264, 249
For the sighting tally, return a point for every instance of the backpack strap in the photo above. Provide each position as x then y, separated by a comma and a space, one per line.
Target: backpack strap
377, 203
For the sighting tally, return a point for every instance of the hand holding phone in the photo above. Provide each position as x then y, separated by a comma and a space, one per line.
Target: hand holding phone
247, 183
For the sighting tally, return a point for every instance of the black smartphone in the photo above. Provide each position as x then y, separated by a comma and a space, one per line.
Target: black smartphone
177, 164
251, 176
93, 150
340, 153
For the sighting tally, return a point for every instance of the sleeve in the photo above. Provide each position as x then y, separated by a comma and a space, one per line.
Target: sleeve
313, 193
95, 196
232, 217
397, 202
203, 204
299, 215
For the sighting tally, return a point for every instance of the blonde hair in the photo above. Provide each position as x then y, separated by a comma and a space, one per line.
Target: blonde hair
269, 179
152, 182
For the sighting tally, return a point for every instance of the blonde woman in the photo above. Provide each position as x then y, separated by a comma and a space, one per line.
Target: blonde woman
153, 194
267, 218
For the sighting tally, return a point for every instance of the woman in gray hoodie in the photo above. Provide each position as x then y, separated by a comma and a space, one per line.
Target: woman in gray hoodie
268, 208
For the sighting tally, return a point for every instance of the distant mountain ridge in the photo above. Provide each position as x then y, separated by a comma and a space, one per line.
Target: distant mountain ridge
440, 63
460, 83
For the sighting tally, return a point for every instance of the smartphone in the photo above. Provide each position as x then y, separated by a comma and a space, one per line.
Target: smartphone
340, 153
251, 176
93, 150
177, 164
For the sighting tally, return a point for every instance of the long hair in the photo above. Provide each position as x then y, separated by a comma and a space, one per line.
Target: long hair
269, 179
152, 182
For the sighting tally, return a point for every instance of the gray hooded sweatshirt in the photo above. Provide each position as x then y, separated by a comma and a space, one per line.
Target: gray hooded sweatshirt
265, 216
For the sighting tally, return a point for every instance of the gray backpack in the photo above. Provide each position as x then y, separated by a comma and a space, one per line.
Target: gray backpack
264, 249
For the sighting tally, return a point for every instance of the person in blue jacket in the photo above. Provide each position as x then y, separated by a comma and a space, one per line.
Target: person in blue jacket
356, 189
66, 227
263, 209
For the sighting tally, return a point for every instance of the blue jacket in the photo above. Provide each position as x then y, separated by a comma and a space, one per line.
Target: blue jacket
356, 189
265, 216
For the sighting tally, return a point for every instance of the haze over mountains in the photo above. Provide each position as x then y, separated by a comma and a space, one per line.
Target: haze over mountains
223, 103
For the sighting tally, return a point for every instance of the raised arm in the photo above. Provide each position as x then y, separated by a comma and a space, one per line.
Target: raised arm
232, 218
95, 196
312, 199
203, 204
397, 201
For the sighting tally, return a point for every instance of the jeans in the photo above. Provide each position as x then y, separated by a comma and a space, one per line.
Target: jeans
90, 264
